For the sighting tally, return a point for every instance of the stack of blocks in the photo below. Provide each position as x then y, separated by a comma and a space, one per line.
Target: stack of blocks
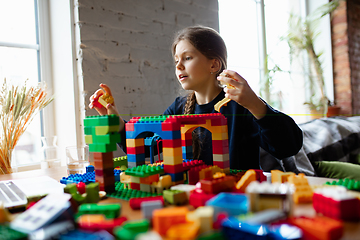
176, 134
102, 136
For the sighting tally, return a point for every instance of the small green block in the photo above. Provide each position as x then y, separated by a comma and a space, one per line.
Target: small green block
100, 147
103, 130
104, 120
144, 171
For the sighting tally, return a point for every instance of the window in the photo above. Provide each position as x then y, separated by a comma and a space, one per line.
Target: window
20, 60
252, 30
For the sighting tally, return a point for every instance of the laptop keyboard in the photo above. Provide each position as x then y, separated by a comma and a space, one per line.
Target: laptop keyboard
11, 195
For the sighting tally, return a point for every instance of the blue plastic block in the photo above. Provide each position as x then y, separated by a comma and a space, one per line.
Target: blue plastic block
233, 229
81, 234
88, 177
232, 203
90, 168
154, 127
175, 177
136, 158
187, 152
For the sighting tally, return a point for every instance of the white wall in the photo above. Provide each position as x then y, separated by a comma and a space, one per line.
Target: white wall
126, 44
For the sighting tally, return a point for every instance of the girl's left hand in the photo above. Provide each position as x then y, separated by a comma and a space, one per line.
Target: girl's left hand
242, 93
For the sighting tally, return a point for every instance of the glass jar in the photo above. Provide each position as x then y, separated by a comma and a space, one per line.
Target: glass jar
50, 152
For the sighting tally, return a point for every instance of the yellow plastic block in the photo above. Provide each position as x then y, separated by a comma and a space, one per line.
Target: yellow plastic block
279, 176
303, 192
246, 179
204, 216
172, 160
184, 231
172, 151
88, 139
220, 136
135, 142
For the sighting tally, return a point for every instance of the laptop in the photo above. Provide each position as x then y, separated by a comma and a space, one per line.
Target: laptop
17, 193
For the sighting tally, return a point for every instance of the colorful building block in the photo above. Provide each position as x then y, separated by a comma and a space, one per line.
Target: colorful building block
249, 176
175, 197
164, 218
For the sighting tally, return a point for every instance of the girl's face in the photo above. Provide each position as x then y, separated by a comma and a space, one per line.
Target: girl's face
193, 69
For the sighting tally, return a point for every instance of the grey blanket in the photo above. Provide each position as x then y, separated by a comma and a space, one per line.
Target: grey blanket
325, 139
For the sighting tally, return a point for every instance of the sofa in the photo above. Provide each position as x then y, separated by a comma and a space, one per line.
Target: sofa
331, 148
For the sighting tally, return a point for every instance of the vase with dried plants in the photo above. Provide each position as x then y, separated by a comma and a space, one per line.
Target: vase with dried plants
19, 106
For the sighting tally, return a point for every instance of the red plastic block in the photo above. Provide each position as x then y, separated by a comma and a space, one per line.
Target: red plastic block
104, 172
167, 143
135, 203
173, 168
199, 199
187, 165
135, 150
99, 164
150, 179
108, 156
170, 125
129, 126
218, 185
135, 186
222, 165
99, 222
260, 175
321, 228
220, 146
193, 174
347, 208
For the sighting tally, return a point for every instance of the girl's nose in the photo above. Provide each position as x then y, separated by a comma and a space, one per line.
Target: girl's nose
179, 65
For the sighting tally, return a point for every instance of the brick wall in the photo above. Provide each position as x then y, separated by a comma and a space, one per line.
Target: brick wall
346, 56
126, 44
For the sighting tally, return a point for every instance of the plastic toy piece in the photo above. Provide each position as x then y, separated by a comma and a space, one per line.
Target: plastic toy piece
40, 215
350, 184
218, 185
278, 176
144, 171
97, 222
303, 192
164, 218
187, 230
197, 199
336, 203
110, 211
265, 195
187, 188
135, 203
175, 197
249, 176
319, 227
232, 203
224, 101
203, 215
131, 229
148, 207
102, 100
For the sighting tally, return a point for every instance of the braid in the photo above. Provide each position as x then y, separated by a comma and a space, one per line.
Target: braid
189, 108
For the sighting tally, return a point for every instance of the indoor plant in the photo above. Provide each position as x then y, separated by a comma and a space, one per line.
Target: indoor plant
300, 37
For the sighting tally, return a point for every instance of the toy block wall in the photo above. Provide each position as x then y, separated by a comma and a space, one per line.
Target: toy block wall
175, 132
102, 136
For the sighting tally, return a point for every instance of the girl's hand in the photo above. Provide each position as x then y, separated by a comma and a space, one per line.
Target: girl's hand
110, 108
242, 93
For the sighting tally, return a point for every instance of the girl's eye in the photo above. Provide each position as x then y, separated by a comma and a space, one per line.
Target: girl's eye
187, 58
176, 61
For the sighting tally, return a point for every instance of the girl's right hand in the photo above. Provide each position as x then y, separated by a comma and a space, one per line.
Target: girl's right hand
110, 108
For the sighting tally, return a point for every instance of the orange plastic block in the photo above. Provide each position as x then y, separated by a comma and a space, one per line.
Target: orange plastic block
187, 230
150, 179
164, 218
321, 228
303, 192
246, 179
279, 176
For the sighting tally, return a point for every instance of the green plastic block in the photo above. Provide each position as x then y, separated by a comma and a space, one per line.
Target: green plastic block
92, 192
103, 130
132, 228
120, 161
107, 139
350, 184
175, 197
153, 118
10, 234
212, 235
100, 147
89, 130
144, 171
110, 211
104, 120
126, 194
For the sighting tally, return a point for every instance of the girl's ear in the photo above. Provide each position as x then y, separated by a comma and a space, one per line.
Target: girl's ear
216, 66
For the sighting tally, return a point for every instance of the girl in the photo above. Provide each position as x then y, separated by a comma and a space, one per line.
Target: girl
200, 56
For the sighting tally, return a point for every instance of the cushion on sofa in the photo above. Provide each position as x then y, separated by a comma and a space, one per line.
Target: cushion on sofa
339, 170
